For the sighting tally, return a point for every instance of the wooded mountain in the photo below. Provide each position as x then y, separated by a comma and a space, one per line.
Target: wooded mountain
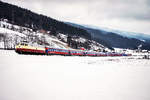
114, 39
24, 17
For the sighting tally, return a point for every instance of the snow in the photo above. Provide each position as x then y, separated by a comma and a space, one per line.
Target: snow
1, 44
7, 31
29, 35
32, 77
63, 36
82, 40
11, 37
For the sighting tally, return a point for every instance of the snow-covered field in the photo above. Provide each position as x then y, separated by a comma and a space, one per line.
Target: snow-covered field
25, 77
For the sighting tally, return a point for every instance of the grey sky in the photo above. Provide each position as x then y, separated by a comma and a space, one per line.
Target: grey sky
128, 15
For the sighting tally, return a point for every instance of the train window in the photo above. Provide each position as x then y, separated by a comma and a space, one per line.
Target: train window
22, 44
26, 44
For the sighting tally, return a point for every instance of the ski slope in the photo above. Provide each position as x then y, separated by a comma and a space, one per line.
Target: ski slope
26, 77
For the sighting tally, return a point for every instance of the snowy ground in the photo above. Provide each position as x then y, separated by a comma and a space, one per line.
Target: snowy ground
25, 77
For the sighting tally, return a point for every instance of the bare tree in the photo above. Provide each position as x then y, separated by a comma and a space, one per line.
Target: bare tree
0, 24
15, 41
43, 39
5, 41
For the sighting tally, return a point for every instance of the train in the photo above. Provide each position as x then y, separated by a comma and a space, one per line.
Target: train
26, 49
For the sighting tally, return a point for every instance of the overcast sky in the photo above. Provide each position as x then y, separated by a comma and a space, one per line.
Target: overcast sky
128, 15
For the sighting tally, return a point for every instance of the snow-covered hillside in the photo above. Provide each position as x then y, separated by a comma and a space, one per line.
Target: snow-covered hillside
30, 77
10, 35
15, 36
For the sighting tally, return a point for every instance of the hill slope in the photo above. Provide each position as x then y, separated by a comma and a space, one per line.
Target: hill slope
34, 22
26, 18
9, 37
119, 39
